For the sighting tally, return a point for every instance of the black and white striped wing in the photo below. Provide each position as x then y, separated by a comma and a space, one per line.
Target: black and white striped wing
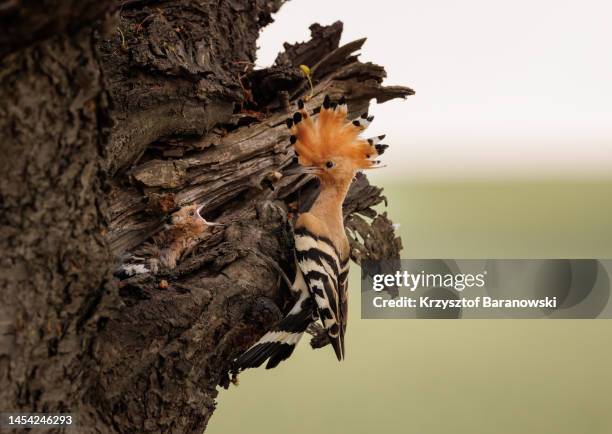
343, 292
320, 264
278, 344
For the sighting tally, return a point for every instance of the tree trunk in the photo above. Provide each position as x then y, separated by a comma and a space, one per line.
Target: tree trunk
112, 116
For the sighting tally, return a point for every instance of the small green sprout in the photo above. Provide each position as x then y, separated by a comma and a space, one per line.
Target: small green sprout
307, 73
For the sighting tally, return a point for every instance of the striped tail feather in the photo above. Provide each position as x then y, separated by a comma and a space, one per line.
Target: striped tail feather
337, 344
278, 344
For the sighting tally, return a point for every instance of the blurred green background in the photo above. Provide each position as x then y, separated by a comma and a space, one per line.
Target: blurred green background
454, 376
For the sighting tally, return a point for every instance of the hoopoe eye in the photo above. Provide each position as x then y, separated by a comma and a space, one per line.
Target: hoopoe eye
192, 213
329, 164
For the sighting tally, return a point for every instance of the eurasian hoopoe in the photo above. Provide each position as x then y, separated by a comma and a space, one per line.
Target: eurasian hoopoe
186, 228
330, 148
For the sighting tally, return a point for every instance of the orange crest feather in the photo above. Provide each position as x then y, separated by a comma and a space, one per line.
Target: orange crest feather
331, 134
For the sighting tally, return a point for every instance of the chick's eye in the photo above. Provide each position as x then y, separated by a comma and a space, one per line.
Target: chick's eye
329, 164
192, 213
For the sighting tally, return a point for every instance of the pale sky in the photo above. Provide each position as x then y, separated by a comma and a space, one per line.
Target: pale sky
519, 89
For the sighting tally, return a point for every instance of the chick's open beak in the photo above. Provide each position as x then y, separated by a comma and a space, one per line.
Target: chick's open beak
214, 223
206, 221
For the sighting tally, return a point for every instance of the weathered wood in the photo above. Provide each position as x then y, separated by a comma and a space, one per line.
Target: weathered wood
55, 274
108, 135
24, 22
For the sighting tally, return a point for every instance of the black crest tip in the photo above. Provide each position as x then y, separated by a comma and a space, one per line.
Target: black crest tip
292, 140
289, 122
300, 104
342, 100
381, 149
326, 102
297, 117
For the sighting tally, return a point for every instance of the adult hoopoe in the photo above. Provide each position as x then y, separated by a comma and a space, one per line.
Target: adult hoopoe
329, 147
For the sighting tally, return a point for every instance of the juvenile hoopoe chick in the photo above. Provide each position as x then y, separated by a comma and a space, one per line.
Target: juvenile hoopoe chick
186, 228
329, 147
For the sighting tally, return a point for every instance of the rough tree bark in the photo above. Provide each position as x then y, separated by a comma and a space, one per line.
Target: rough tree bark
112, 115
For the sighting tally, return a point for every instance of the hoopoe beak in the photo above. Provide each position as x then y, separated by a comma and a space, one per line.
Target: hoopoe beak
376, 165
206, 221
302, 170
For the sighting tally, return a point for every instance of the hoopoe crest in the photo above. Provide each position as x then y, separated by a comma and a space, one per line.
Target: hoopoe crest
332, 140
